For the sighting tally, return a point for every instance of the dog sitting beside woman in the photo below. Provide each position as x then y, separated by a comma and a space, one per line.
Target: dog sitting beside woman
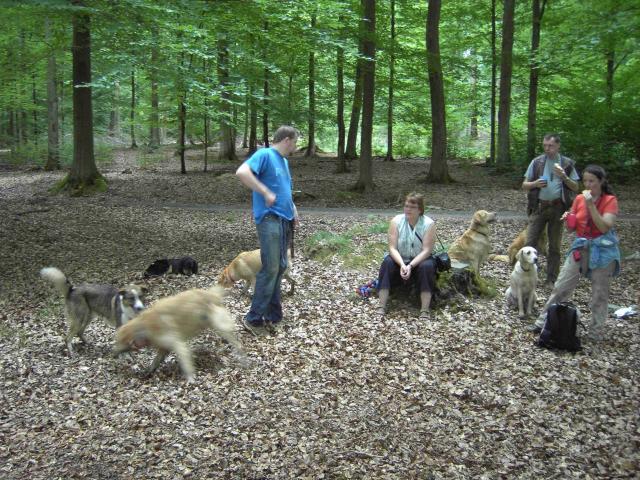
411, 241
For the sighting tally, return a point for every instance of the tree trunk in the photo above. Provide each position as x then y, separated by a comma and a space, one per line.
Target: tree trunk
438, 170
494, 60
154, 133
534, 68
265, 102
290, 120
114, 117
506, 66
34, 114
182, 121
227, 137
133, 110
341, 163
53, 139
311, 147
206, 138
253, 127
473, 124
245, 135
610, 56
182, 115
265, 110
392, 67
352, 137
365, 180
83, 173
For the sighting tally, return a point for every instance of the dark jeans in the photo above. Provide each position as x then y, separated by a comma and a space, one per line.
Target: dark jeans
274, 234
424, 275
548, 216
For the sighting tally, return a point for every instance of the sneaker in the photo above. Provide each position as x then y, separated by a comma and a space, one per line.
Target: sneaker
256, 330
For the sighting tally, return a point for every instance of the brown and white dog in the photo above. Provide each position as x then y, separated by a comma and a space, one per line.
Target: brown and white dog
245, 267
85, 301
474, 245
171, 322
523, 282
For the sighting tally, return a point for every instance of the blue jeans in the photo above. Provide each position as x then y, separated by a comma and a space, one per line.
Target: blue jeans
273, 234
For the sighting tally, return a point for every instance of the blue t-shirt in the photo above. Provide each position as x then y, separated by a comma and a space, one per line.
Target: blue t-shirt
272, 169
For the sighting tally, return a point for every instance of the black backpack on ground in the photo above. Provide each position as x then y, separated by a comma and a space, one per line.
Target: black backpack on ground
560, 327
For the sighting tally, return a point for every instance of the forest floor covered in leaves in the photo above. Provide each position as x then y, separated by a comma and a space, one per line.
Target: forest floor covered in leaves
333, 394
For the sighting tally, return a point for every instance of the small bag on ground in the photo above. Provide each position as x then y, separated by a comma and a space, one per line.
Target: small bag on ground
560, 328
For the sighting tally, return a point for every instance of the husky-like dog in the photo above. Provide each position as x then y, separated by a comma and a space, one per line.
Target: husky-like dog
183, 265
85, 301
524, 279
171, 322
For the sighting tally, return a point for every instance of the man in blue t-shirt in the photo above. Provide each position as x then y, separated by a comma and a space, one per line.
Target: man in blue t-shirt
266, 172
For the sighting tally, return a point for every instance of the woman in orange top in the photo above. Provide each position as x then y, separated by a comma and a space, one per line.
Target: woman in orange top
594, 252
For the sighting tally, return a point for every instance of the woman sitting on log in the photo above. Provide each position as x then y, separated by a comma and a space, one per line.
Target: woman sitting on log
411, 239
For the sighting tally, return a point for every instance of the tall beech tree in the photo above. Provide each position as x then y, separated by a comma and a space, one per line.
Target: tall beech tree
311, 146
438, 170
53, 126
365, 179
506, 69
341, 166
392, 66
356, 106
132, 112
494, 75
84, 174
154, 116
227, 130
537, 11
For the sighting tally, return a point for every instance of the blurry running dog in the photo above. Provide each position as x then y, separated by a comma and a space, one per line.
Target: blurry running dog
85, 301
524, 279
245, 267
474, 245
171, 322
183, 265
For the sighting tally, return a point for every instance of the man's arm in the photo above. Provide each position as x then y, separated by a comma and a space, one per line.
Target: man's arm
566, 179
535, 184
248, 179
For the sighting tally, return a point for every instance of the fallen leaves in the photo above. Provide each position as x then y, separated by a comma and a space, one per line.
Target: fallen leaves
331, 394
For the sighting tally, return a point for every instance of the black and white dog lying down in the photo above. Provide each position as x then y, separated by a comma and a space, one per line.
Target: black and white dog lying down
184, 265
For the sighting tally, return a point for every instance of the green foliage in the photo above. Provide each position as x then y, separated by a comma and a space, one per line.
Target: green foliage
598, 119
324, 245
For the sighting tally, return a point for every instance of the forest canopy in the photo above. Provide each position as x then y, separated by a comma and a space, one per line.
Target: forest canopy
237, 69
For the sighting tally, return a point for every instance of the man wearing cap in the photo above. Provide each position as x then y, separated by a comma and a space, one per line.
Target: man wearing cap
550, 182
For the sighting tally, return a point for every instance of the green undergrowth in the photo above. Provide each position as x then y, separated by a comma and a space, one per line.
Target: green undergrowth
356, 248
79, 189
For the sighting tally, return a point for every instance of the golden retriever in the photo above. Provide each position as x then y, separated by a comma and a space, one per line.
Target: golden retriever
245, 267
523, 282
520, 242
171, 322
474, 245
